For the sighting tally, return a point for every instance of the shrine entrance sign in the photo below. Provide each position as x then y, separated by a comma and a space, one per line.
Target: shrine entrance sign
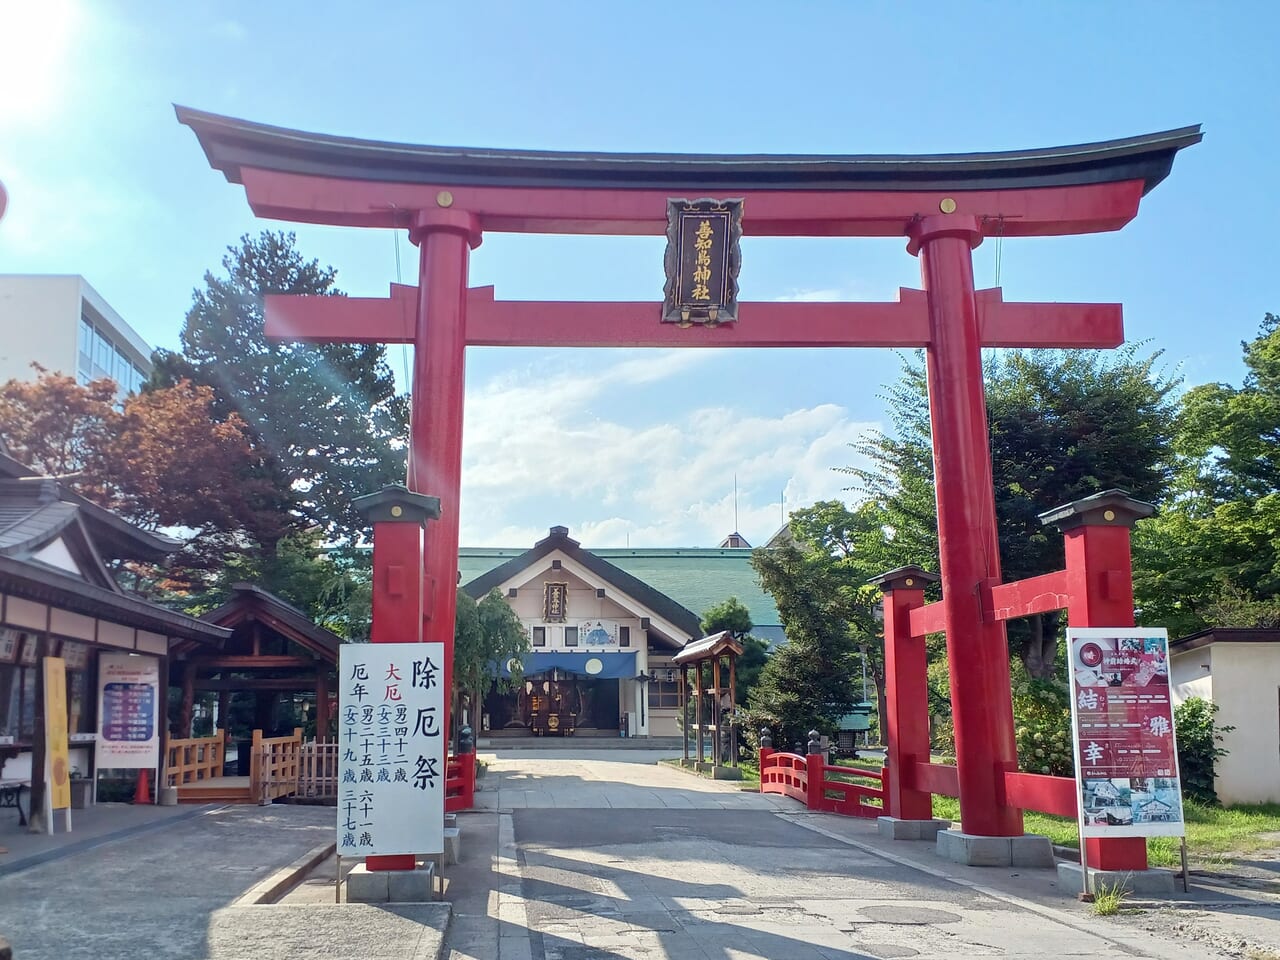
943, 205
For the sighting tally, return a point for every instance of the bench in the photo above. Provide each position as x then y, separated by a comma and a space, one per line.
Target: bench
11, 796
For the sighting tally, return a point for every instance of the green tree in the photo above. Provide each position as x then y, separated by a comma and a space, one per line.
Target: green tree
1199, 735
160, 459
1214, 552
326, 421
809, 681
1063, 425
333, 588
487, 636
733, 616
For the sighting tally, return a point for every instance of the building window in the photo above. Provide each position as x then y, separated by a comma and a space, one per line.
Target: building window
664, 694
85, 365
624, 636
539, 636
122, 373
17, 685
570, 636
102, 354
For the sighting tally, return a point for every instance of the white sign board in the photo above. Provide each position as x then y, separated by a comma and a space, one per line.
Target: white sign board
1122, 726
391, 759
129, 712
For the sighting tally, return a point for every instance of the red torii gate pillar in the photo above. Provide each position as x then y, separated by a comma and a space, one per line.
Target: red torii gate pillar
968, 545
445, 239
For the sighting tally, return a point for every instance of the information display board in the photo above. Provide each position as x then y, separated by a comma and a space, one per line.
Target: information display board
391, 761
1122, 727
128, 713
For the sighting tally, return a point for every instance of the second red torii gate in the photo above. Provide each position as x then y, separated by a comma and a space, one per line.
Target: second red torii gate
447, 198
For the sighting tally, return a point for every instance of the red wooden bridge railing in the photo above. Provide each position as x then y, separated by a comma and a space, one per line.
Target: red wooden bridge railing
809, 780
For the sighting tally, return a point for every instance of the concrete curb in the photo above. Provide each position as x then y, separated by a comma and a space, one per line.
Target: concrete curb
266, 891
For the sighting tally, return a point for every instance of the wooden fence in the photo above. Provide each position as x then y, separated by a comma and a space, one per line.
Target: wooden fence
195, 759
460, 783
274, 765
318, 770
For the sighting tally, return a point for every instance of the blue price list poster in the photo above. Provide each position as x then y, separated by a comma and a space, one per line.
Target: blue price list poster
128, 711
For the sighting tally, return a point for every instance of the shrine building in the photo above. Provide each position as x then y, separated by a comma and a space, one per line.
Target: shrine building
603, 627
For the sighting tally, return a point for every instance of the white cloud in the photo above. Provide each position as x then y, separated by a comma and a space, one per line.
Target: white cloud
535, 448
824, 295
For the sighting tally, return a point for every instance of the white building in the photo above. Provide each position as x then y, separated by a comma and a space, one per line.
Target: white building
1239, 670
63, 324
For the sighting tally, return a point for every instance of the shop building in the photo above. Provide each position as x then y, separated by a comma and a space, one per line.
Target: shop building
59, 599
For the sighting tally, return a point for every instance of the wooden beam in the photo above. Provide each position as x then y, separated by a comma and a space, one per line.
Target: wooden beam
927, 619
248, 662
1024, 598
300, 684
1025, 212
531, 323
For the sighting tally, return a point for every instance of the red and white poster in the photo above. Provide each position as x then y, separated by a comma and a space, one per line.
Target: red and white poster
1122, 725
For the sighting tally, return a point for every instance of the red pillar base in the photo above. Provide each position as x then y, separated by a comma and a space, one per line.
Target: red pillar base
400, 861
1116, 853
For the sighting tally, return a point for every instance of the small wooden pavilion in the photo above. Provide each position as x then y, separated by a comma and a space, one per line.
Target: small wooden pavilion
708, 674
274, 649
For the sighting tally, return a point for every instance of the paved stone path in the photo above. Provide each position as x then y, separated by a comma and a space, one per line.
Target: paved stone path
153, 894
606, 859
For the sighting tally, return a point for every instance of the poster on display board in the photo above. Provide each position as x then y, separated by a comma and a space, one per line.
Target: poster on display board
391, 760
128, 711
1122, 727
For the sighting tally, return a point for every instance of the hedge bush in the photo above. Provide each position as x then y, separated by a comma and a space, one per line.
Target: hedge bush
1198, 734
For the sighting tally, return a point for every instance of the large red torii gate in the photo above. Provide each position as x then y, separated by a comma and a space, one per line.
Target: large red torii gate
944, 205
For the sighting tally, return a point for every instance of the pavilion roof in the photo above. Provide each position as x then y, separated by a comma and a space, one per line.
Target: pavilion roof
250, 602
715, 645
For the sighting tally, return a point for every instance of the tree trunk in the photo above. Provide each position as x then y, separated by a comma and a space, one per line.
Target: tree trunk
1040, 649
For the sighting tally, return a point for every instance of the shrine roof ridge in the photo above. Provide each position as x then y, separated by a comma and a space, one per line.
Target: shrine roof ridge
232, 145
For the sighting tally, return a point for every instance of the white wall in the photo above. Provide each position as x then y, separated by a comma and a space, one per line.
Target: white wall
1191, 674
39, 320
1246, 687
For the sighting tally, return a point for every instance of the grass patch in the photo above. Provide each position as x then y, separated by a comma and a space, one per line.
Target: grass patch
1107, 900
1213, 833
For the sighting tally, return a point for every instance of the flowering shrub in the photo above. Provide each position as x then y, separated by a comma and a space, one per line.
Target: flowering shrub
1042, 725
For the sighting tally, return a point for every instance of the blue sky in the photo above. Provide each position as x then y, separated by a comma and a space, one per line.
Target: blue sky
641, 447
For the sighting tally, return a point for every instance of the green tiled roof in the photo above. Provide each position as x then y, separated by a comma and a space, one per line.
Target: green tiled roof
696, 578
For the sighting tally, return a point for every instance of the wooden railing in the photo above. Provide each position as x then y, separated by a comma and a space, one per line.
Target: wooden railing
274, 764
318, 770
809, 780
195, 759
460, 783
784, 773
851, 799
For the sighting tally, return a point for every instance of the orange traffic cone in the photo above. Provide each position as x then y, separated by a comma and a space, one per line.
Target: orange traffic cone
143, 793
